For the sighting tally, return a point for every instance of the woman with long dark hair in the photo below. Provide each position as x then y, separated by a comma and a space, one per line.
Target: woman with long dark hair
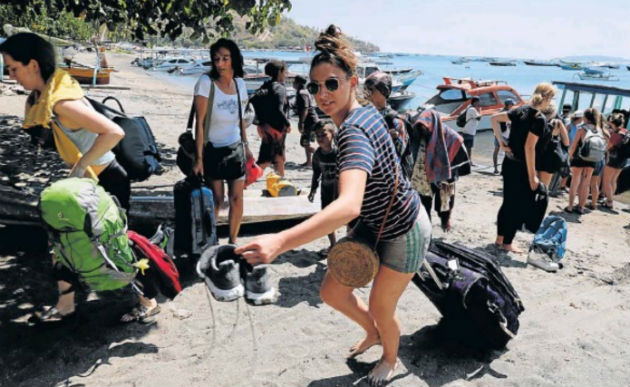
369, 178
221, 141
84, 139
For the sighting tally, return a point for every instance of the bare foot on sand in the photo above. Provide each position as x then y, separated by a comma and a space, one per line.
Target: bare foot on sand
381, 373
363, 345
512, 249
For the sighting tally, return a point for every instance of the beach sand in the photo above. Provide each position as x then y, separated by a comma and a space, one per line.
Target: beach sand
575, 330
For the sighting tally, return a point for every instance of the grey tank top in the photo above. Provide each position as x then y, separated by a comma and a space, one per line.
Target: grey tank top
84, 139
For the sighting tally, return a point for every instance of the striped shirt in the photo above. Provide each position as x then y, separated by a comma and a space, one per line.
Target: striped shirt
364, 143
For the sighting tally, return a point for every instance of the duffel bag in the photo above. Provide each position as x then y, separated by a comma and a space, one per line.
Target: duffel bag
472, 293
137, 152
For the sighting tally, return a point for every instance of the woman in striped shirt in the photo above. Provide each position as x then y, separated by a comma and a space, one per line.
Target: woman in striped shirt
369, 175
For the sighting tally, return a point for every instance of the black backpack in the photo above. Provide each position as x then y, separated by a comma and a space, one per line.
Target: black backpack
137, 152
461, 118
259, 102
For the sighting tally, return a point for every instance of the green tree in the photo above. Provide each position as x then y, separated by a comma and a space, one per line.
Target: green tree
208, 18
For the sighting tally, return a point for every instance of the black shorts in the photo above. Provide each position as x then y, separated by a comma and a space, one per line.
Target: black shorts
224, 163
328, 194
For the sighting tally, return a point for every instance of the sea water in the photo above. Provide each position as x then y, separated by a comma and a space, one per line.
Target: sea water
521, 77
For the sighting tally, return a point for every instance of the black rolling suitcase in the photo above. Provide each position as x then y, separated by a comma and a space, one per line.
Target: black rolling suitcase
472, 293
195, 227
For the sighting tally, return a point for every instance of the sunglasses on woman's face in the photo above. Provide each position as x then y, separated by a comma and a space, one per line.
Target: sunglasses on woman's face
331, 85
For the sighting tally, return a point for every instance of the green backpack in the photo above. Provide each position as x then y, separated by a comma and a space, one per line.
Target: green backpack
89, 233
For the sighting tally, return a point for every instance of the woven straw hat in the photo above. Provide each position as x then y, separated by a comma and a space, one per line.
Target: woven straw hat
352, 262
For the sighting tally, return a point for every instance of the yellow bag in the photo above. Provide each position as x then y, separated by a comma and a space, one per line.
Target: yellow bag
277, 186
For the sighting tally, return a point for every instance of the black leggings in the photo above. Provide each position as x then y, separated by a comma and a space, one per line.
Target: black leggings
115, 181
517, 199
148, 281
428, 200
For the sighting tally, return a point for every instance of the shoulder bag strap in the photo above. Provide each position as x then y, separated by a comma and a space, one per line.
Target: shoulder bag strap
389, 207
240, 113
206, 121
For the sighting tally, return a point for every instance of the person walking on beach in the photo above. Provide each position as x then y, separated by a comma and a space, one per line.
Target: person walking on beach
616, 160
582, 170
325, 167
221, 141
273, 118
520, 181
473, 117
369, 177
83, 138
307, 117
505, 133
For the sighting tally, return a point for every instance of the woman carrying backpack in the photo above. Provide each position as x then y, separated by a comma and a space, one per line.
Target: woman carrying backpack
582, 166
274, 118
83, 137
520, 180
221, 141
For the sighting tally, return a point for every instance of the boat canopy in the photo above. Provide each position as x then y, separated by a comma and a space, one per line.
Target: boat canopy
584, 95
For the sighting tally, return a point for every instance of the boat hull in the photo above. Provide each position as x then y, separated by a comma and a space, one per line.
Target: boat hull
85, 76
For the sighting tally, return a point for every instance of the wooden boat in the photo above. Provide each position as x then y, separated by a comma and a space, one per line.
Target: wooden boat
453, 97
89, 75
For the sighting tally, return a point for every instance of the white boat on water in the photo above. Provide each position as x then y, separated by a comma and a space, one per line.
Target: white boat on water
199, 67
173, 64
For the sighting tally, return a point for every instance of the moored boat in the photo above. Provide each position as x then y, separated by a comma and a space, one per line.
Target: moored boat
534, 62
502, 63
454, 95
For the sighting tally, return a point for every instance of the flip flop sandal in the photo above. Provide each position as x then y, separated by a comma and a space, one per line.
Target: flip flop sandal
53, 314
569, 210
140, 314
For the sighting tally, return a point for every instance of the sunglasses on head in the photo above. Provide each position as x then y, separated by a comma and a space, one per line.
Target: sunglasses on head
331, 84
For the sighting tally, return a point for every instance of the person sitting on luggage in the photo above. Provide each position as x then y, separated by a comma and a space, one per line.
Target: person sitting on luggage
307, 117
274, 119
370, 181
377, 88
325, 167
221, 141
83, 137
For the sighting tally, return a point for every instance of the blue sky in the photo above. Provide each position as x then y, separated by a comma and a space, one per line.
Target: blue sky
526, 29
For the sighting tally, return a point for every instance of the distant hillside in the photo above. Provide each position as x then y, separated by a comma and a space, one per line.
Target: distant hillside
287, 35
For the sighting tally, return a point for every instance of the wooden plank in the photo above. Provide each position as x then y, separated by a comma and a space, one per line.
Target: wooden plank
156, 209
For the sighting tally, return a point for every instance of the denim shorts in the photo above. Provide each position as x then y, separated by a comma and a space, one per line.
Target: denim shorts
405, 253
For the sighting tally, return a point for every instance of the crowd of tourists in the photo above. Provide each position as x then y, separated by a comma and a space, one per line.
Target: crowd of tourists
378, 170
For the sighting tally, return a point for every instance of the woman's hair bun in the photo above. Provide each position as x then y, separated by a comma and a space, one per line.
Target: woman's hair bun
335, 48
